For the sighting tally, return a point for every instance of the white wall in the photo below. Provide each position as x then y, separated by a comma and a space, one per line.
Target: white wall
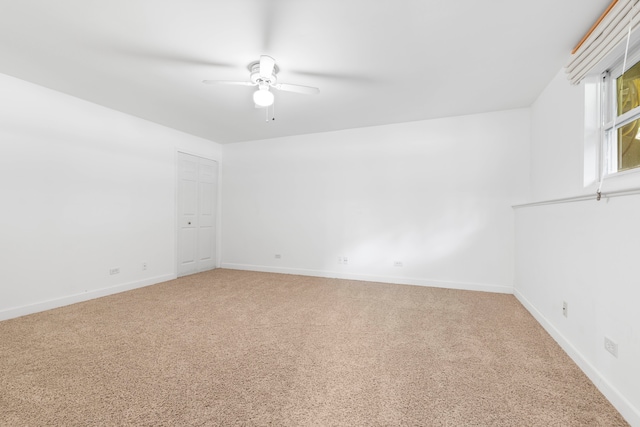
584, 253
556, 146
83, 189
435, 195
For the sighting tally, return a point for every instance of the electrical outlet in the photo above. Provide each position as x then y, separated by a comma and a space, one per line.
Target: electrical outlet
115, 270
278, 256
397, 263
611, 346
343, 260
144, 265
565, 309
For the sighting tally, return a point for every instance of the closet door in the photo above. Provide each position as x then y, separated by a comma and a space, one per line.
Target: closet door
197, 196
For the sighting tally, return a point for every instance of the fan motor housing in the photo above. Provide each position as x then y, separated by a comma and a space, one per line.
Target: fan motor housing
256, 78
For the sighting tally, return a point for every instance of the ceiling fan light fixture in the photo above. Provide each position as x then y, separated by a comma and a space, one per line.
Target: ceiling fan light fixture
263, 97
264, 75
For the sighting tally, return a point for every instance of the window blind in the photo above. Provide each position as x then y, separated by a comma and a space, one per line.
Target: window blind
610, 30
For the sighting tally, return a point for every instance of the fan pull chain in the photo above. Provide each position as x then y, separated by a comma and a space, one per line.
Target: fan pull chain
273, 113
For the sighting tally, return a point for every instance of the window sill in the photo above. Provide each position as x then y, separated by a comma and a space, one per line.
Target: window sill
621, 181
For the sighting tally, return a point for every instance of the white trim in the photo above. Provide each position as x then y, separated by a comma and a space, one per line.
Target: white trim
218, 159
218, 218
617, 399
600, 121
398, 280
612, 122
10, 313
218, 201
176, 201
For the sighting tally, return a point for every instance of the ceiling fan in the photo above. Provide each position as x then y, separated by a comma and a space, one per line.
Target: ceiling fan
264, 74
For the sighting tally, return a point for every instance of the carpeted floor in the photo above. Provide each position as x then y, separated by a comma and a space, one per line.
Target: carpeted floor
243, 348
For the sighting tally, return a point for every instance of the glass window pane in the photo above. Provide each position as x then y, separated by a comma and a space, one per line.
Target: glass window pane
628, 86
629, 146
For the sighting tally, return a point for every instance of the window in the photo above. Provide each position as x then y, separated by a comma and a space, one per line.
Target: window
621, 118
612, 98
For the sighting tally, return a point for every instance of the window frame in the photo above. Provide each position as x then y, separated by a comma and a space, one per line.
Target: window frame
609, 121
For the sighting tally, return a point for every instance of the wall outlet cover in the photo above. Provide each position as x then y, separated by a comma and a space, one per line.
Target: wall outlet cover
611, 346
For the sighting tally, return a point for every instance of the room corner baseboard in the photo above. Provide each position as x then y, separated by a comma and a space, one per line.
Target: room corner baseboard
24, 310
399, 280
626, 409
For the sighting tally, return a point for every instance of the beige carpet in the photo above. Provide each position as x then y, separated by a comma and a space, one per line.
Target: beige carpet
241, 348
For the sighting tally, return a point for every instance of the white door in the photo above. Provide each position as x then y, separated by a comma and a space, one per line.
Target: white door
197, 195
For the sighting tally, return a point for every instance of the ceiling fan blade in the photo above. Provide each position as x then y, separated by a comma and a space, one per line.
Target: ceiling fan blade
227, 82
307, 90
354, 78
142, 53
267, 64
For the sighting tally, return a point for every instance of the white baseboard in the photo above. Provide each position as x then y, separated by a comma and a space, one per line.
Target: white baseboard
399, 280
13, 312
626, 409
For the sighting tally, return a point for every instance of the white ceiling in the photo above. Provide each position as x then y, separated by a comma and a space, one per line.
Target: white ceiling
375, 61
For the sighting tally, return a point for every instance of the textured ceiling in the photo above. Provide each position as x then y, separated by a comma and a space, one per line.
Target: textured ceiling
375, 62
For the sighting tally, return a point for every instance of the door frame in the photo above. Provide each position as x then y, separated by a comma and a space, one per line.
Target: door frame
176, 219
